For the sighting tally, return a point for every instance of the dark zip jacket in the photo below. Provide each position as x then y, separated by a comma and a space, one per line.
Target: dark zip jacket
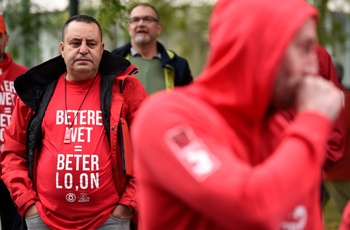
176, 68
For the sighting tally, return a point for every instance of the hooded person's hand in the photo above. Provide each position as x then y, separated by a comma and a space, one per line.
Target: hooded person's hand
319, 95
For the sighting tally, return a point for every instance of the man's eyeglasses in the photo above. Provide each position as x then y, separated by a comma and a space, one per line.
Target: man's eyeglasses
146, 19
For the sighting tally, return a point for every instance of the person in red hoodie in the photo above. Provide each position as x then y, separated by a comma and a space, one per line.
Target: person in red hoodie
217, 154
9, 71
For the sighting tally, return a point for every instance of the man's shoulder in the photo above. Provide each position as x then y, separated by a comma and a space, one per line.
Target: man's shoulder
117, 50
20, 67
122, 50
17, 69
175, 58
14, 65
172, 55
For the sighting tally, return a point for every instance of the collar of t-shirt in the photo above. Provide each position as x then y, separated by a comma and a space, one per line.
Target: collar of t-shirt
134, 53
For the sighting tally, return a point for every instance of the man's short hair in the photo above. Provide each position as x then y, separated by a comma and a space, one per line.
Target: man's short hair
144, 4
80, 18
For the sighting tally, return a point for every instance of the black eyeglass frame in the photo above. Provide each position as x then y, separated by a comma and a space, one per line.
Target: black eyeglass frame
145, 19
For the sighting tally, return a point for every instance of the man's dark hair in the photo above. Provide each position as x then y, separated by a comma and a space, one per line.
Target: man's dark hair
147, 5
80, 18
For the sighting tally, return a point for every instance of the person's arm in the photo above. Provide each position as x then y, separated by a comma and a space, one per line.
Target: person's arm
235, 193
134, 94
15, 173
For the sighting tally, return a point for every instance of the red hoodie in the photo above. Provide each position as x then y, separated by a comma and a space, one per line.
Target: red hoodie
206, 154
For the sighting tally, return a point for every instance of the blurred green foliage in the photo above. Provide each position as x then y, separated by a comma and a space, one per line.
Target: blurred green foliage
184, 23
26, 20
330, 27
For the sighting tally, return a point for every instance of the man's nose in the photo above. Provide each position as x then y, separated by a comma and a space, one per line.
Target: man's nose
311, 67
83, 48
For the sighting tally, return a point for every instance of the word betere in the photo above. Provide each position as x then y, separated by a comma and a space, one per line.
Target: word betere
82, 117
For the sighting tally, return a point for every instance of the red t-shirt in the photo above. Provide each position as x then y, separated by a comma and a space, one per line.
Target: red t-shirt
74, 180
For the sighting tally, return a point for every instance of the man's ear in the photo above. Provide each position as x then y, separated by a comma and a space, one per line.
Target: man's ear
62, 49
159, 28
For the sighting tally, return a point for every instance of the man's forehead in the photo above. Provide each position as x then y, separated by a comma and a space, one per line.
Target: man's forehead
76, 24
142, 11
82, 30
78, 36
307, 31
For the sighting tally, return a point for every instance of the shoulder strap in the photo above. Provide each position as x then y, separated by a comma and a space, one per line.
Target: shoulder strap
125, 146
124, 137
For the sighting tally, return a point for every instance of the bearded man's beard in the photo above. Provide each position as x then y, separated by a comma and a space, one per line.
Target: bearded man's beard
141, 39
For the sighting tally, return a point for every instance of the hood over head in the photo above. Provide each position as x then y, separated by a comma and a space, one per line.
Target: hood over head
247, 41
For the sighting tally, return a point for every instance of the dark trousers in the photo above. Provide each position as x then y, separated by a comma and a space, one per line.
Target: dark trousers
8, 211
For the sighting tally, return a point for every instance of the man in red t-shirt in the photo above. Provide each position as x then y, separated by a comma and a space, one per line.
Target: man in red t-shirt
9, 70
62, 159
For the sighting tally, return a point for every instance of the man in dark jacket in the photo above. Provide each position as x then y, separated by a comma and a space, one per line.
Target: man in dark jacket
159, 68
62, 160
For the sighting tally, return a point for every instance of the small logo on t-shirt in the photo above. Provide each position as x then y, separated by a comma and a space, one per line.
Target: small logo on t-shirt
193, 154
70, 197
83, 197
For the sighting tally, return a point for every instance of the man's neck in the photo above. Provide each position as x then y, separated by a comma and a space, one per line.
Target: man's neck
146, 51
79, 77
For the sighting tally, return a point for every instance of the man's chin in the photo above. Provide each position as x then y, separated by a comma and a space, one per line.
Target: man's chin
83, 69
83, 65
141, 39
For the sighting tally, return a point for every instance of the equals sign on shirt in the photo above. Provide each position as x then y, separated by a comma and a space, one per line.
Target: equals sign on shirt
78, 148
7, 110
